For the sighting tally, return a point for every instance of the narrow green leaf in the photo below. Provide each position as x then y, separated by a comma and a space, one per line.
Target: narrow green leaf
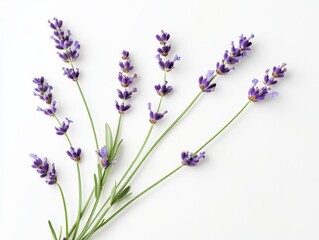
123, 193
117, 147
108, 139
52, 230
96, 186
113, 194
99, 170
105, 175
60, 234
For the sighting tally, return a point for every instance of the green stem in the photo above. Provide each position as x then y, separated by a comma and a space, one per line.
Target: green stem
117, 130
87, 224
222, 129
65, 212
132, 200
89, 114
161, 137
82, 212
80, 201
138, 154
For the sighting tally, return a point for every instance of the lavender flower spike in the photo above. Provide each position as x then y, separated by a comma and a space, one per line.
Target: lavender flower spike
64, 127
102, 153
64, 42
74, 155
189, 159
40, 165
154, 117
52, 179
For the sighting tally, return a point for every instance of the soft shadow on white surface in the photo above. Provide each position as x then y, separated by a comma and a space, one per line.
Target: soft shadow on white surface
260, 178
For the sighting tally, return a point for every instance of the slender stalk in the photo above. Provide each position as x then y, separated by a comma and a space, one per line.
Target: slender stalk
118, 129
89, 114
80, 201
222, 129
65, 212
161, 137
87, 224
138, 154
82, 212
131, 201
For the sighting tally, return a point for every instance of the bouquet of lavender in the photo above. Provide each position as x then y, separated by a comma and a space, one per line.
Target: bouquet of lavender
93, 213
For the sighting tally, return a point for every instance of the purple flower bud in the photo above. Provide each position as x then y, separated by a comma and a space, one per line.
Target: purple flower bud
164, 50
244, 42
102, 153
52, 179
49, 111
126, 80
74, 155
279, 72
221, 68
122, 107
163, 89
205, 85
64, 127
168, 65
124, 95
190, 159
230, 59
71, 73
56, 25
125, 55
154, 117
163, 37
126, 66
40, 165
269, 80
210, 75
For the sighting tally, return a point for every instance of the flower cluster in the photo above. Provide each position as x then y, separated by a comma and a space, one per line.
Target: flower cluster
205, 83
43, 91
42, 167
64, 42
155, 116
63, 127
189, 159
75, 155
234, 55
125, 80
69, 49
256, 94
166, 65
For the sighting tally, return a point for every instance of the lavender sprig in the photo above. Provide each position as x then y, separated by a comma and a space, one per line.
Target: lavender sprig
126, 79
234, 55
64, 42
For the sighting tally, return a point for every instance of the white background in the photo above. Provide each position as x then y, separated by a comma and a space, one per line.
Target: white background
260, 179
